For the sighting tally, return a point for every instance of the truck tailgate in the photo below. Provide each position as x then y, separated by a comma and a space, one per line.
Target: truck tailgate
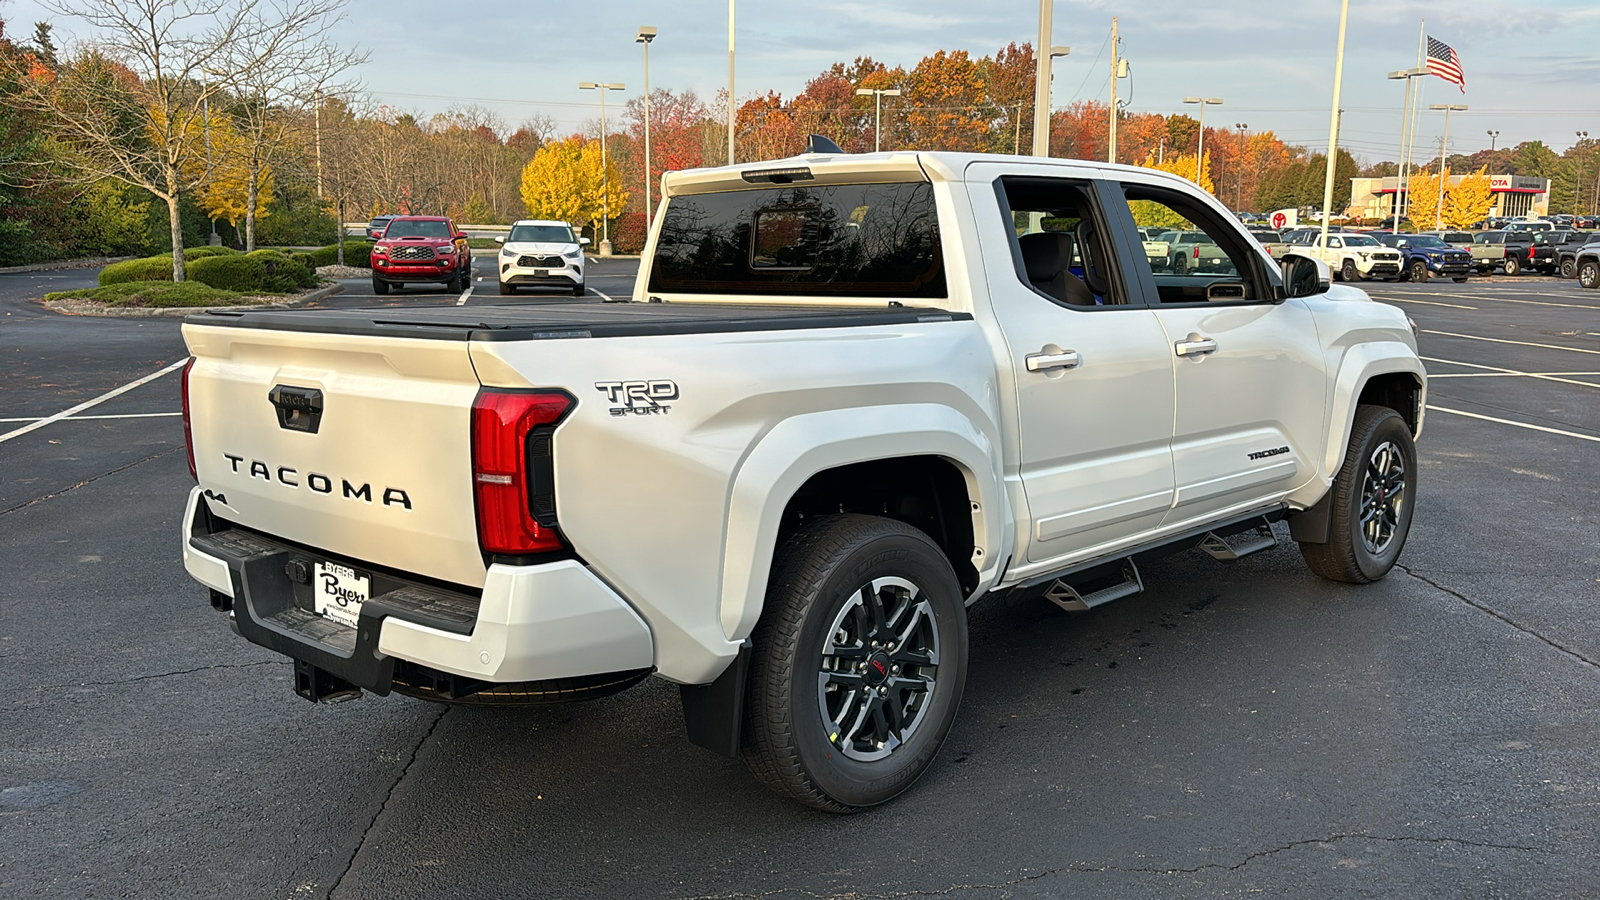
356, 445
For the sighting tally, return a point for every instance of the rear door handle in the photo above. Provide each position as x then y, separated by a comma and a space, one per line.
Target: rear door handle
1066, 359
1196, 347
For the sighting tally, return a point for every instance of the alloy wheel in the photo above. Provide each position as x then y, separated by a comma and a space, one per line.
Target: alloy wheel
1383, 497
878, 669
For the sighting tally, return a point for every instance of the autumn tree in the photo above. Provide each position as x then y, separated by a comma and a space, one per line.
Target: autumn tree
564, 181
1468, 202
1425, 196
228, 189
945, 101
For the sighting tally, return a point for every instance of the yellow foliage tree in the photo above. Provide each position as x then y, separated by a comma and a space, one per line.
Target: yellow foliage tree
223, 172
563, 182
1468, 203
1157, 215
1423, 196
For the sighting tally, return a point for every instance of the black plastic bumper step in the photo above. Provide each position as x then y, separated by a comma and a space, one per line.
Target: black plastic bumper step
1240, 544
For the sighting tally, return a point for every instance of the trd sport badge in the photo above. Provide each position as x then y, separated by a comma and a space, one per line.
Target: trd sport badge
638, 398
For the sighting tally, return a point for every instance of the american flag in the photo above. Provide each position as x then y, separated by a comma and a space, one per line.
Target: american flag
1443, 62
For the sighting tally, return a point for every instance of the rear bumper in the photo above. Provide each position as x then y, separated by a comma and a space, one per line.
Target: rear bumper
530, 623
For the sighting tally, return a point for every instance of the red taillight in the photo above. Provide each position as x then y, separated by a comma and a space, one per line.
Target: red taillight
1530, 251
513, 469
1196, 251
188, 431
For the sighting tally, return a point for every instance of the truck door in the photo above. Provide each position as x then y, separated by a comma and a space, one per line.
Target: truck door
1089, 367
1251, 386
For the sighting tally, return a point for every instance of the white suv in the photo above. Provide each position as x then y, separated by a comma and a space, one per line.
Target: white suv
541, 253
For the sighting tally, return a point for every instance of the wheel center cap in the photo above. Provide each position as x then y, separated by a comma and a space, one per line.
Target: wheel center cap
877, 668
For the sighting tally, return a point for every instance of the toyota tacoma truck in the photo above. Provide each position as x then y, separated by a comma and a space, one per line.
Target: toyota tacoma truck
421, 250
851, 396
1353, 256
1425, 254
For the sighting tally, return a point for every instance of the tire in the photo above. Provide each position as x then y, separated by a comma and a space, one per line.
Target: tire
1569, 268
1460, 279
1347, 271
1180, 265
579, 288
819, 599
1359, 552
507, 288
1418, 271
1589, 274
1513, 266
380, 287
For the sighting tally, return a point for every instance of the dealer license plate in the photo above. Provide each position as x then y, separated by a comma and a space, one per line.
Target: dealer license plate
540, 273
339, 593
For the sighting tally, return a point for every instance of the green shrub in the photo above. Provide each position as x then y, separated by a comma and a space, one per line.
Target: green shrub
203, 252
150, 268
153, 294
230, 273
356, 253
303, 258
284, 274
304, 223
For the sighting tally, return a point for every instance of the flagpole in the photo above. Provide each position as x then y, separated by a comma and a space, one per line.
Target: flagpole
1405, 133
1333, 128
1411, 118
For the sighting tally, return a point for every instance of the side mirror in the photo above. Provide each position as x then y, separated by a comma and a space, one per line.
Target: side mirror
461, 235
584, 241
1304, 276
499, 239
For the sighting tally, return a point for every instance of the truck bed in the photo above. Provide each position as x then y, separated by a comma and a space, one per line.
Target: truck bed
572, 319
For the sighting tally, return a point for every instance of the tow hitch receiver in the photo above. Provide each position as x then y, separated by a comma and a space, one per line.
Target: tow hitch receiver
320, 685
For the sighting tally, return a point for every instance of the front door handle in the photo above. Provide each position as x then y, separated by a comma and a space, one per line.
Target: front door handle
1197, 347
1040, 362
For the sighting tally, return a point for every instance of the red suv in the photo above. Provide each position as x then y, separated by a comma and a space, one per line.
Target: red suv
421, 250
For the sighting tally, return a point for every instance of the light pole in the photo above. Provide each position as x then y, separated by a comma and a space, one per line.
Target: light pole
210, 174
732, 106
1238, 175
1119, 69
1043, 55
645, 36
1401, 193
1444, 153
877, 114
605, 173
1333, 126
1200, 154
1493, 136
1577, 189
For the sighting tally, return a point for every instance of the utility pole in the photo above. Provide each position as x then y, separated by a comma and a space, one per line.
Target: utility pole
605, 170
1044, 57
317, 100
732, 104
1116, 59
645, 36
1333, 126
1444, 152
1016, 145
1238, 166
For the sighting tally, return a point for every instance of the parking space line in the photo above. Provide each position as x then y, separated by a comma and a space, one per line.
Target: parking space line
1428, 302
1499, 370
1509, 300
66, 413
464, 295
1571, 434
1471, 337
88, 418
608, 298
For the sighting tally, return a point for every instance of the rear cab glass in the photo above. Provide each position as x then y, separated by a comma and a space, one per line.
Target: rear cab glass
827, 240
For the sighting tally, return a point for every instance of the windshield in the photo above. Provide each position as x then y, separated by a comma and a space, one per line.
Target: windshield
1427, 240
543, 234
1265, 237
1359, 240
402, 228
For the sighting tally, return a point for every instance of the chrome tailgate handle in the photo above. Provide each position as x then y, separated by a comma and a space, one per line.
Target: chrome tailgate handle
1066, 359
1198, 347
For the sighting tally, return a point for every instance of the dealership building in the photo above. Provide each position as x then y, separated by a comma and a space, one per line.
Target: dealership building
1514, 195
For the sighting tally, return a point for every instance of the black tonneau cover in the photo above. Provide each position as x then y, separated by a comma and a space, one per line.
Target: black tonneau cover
573, 319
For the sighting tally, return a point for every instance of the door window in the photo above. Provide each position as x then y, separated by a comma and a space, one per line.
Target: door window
1060, 248
1199, 257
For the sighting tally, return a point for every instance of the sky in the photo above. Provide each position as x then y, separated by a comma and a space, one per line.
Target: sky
1532, 71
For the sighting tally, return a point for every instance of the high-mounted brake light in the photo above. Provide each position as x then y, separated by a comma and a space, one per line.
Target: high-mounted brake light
188, 430
513, 469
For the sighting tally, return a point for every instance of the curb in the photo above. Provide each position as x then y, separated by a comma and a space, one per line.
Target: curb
89, 263
92, 309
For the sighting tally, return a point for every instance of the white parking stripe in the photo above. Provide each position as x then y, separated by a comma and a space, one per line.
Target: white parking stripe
1473, 337
1426, 302
607, 296
95, 402
1508, 300
464, 295
1499, 370
87, 418
1571, 434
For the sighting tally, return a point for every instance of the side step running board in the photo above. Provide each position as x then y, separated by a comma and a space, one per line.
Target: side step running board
1255, 540
1067, 597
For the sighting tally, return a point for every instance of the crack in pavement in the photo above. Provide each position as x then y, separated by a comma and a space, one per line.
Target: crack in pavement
151, 677
87, 481
382, 807
1483, 607
1081, 869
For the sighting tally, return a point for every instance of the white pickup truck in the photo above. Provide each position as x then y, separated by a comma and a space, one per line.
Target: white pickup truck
1352, 256
852, 395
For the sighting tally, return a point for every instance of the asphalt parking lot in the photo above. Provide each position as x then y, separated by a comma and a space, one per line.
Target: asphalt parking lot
1237, 729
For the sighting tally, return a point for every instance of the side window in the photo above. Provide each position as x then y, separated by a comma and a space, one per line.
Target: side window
1060, 243
1201, 258
1335, 244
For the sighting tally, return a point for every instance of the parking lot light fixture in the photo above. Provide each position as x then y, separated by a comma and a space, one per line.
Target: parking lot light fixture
1406, 138
1444, 153
646, 34
1200, 152
1493, 136
877, 112
605, 175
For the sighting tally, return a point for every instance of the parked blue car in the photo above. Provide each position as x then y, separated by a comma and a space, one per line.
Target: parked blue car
1422, 255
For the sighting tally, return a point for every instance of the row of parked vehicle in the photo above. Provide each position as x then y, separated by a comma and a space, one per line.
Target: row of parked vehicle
1541, 247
